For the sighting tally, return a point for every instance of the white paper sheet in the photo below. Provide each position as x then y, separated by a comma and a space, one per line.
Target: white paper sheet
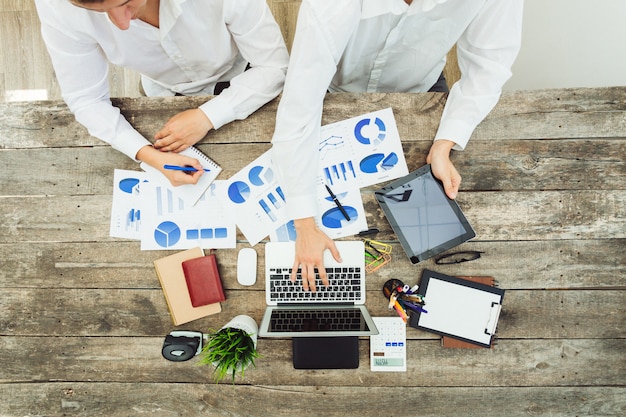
458, 310
126, 215
169, 222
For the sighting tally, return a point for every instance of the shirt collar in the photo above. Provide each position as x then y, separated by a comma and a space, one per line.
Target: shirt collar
169, 11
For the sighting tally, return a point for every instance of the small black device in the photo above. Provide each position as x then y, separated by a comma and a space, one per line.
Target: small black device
425, 220
181, 345
340, 352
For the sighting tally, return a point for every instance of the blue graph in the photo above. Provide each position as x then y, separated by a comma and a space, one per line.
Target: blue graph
377, 138
342, 171
378, 162
167, 234
330, 144
266, 208
127, 184
238, 192
217, 233
286, 232
334, 218
260, 175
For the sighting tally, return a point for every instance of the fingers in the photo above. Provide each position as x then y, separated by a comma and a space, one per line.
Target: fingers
169, 143
308, 275
181, 178
309, 278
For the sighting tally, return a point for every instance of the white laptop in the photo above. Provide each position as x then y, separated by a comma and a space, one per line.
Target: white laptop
336, 310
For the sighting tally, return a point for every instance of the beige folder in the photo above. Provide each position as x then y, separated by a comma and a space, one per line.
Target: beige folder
170, 272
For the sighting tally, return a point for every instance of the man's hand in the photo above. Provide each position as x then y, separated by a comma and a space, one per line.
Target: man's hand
311, 243
182, 131
158, 159
439, 160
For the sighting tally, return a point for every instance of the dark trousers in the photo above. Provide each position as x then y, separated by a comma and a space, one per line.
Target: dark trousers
441, 86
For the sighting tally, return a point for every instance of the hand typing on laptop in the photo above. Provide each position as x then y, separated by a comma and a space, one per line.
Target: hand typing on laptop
311, 243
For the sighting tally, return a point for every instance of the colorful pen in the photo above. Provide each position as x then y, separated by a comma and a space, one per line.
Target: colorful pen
183, 168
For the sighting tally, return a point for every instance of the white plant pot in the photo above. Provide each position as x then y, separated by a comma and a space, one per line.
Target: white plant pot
248, 325
245, 323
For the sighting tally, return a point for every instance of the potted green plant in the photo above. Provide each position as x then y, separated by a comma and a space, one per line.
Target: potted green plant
232, 348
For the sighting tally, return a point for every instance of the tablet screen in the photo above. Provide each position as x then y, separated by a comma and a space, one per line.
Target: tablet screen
425, 220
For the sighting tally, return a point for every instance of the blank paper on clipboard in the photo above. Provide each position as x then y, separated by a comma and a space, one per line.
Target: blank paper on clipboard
459, 308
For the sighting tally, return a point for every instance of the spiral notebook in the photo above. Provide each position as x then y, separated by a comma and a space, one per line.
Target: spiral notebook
189, 193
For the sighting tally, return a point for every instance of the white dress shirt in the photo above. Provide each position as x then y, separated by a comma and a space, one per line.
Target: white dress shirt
198, 43
388, 46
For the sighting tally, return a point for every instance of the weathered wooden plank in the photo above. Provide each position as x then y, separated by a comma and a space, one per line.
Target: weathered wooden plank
517, 165
521, 363
516, 265
540, 114
114, 312
174, 399
545, 215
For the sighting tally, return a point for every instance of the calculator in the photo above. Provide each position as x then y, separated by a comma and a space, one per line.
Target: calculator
388, 347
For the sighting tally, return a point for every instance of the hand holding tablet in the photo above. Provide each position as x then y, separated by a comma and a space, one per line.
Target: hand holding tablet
425, 220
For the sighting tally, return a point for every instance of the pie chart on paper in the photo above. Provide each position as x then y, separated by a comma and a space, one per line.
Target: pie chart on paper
238, 192
334, 218
378, 162
127, 184
260, 175
167, 234
364, 133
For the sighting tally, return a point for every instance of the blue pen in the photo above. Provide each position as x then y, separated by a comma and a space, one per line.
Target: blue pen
180, 168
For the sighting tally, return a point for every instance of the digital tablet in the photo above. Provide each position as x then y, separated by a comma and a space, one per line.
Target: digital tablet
425, 220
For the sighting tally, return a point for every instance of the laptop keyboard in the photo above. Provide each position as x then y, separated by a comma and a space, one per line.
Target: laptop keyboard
344, 286
316, 320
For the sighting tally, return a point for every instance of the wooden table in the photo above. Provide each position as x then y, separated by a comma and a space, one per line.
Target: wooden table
83, 318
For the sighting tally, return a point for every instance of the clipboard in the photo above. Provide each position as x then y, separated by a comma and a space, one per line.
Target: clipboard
458, 308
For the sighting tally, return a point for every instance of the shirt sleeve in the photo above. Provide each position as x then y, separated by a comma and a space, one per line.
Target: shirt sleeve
323, 30
486, 51
81, 70
261, 43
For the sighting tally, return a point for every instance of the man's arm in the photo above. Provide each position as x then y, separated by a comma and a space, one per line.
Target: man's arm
82, 72
261, 44
323, 30
486, 52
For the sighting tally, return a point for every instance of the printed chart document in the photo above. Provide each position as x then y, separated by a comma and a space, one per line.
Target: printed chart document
364, 149
257, 201
169, 222
148, 211
126, 205
354, 153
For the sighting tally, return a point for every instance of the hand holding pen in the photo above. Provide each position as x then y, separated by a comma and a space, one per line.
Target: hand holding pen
185, 168
188, 171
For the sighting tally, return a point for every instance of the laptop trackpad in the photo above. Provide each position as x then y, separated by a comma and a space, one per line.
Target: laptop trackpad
341, 352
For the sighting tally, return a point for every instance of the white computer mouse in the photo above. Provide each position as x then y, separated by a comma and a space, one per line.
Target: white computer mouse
246, 266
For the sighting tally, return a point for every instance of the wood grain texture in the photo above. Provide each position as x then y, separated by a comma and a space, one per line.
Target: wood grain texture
517, 363
82, 316
129, 312
550, 264
185, 399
